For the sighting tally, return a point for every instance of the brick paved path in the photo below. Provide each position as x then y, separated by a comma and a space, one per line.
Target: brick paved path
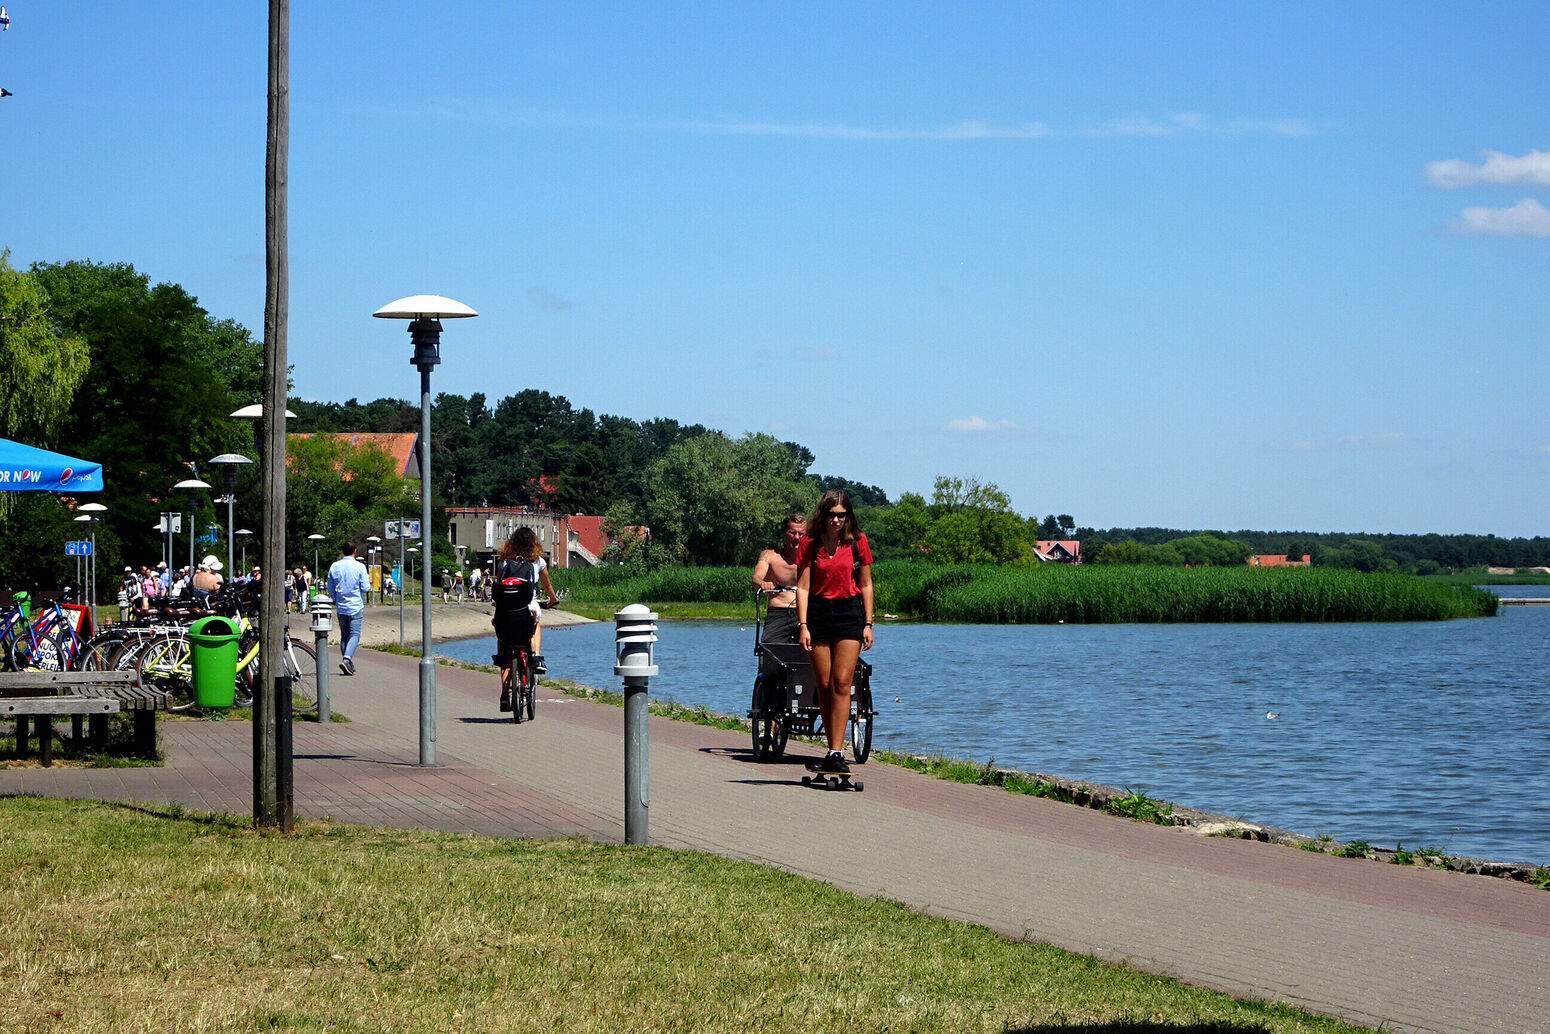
1379, 944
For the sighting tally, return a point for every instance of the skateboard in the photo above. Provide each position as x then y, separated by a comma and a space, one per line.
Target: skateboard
830, 780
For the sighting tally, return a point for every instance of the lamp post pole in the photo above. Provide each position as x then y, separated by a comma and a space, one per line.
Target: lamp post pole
95, 509
425, 313
376, 560
231, 461
244, 533
194, 486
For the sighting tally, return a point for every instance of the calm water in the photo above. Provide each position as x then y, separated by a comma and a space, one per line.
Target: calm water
1430, 735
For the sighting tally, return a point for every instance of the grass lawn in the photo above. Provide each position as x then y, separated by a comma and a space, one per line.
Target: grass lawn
135, 918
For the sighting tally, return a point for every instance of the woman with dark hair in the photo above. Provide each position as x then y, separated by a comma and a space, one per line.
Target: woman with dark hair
519, 571
834, 612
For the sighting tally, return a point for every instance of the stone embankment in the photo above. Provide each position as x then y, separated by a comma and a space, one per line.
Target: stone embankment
451, 621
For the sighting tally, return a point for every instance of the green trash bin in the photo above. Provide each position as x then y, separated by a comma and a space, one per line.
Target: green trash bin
213, 655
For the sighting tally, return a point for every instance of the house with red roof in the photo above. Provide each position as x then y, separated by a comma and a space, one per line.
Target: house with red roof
1278, 560
1058, 551
398, 445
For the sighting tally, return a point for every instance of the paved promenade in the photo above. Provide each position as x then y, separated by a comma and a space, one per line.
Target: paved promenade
1412, 950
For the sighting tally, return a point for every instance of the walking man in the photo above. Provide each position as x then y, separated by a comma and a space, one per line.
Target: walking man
348, 585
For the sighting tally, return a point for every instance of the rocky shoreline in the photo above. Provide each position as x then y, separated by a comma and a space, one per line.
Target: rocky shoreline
452, 621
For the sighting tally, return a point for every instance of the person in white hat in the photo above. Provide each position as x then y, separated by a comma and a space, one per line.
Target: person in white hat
207, 580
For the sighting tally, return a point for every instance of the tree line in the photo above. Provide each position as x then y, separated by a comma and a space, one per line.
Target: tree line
99, 362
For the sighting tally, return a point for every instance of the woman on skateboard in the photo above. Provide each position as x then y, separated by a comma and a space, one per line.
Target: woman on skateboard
834, 612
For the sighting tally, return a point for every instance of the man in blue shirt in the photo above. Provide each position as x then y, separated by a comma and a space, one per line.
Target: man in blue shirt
348, 585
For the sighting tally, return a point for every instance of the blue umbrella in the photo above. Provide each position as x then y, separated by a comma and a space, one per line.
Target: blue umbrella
24, 468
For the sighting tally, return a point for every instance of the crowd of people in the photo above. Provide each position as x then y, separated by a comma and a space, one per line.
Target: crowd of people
819, 578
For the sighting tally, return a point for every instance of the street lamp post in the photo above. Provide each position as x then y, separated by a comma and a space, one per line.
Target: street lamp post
245, 533
425, 313
409, 576
94, 509
373, 552
194, 487
231, 461
317, 541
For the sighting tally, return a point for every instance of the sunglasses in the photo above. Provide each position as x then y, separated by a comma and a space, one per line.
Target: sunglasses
842, 514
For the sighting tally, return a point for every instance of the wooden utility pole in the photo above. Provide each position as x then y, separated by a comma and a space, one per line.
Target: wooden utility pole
272, 796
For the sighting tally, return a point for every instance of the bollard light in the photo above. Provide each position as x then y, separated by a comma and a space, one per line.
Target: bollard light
635, 631
322, 624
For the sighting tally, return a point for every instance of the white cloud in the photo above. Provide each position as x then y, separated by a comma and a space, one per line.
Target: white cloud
968, 129
1191, 123
979, 425
1532, 168
1527, 218
820, 354
971, 129
1352, 442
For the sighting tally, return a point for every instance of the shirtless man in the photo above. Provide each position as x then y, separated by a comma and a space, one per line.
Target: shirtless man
777, 569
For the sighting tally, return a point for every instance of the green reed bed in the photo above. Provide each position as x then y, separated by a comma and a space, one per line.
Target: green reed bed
1086, 594
1125, 594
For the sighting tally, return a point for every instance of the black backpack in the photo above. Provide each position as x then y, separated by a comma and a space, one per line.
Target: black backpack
515, 583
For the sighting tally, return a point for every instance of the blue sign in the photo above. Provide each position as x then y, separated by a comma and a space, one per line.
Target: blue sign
77, 549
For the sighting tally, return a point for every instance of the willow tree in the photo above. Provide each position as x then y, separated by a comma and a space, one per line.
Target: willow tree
40, 366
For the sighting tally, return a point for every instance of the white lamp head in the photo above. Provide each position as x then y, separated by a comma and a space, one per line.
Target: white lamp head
424, 306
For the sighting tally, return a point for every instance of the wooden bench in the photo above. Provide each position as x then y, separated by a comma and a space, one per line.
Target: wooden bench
41, 695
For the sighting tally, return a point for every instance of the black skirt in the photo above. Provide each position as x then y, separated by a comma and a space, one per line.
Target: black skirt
829, 620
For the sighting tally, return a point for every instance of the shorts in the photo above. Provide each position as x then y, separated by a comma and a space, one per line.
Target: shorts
829, 620
513, 632
780, 625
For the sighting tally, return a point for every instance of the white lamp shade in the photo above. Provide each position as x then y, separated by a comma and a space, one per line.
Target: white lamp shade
256, 410
424, 306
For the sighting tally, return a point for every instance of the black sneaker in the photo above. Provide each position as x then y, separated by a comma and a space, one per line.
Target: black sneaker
505, 700
347, 667
539, 667
834, 764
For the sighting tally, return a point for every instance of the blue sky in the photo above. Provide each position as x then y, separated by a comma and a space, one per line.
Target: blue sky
1200, 266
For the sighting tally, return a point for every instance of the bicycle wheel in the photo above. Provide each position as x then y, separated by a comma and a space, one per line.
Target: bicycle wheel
39, 652
769, 726
97, 654
165, 664
128, 656
861, 726
242, 689
521, 678
301, 664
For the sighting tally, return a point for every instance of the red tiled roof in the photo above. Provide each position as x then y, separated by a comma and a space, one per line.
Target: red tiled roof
399, 445
1277, 560
1045, 548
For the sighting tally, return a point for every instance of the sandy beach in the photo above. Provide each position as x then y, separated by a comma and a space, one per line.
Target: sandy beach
448, 621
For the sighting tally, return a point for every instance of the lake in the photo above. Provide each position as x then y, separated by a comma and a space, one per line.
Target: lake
1432, 734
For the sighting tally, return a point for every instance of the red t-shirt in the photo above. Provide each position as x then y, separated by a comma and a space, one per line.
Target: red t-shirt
833, 575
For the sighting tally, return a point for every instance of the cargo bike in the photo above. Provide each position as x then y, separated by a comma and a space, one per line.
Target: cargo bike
785, 695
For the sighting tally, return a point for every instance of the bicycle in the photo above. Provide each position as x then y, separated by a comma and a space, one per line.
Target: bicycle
28, 647
523, 694
167, 662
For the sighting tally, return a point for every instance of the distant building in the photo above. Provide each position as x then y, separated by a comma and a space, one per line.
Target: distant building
1278, 560
478, 532
1058, 551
